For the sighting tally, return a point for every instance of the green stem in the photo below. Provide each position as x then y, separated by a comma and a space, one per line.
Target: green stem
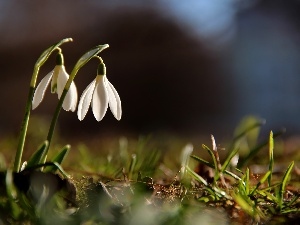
23, 132
24, 126
55, 117
59, 106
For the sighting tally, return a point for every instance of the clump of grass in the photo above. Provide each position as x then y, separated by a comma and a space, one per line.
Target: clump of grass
260, 199
133, 187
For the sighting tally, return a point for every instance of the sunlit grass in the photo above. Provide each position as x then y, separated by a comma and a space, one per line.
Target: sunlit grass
135, 183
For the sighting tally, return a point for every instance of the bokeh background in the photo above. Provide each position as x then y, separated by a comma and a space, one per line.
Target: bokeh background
180, 67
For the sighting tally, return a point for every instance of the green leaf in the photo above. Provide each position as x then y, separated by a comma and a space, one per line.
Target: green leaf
256, 149
271, 157
262, 180
228, 159
247, 179
45, 55
268, 196
293, 200
284, 183
202, 161
217, 174
56, 166
196, 176
212, 166
245, 205
90, 54
58, 159
49, 164
38, 156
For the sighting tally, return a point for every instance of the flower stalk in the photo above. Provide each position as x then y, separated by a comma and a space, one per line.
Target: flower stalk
41, 60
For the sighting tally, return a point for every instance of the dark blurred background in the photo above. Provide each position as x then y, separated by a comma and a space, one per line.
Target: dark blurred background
180, 67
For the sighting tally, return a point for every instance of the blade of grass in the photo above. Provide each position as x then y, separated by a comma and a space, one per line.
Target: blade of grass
284, 183
243, 185
261, 181
271, 157
268, 196
221, 193
196, 176
202, 161
247, 179
255, 150
55, 164
212, 166
228, 159
290, 211
232, 175
293, 200
216, 193
249, 209
38, 156
58, 159
219, 165
212, 155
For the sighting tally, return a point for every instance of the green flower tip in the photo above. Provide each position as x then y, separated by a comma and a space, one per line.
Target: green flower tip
59, 59
101, 69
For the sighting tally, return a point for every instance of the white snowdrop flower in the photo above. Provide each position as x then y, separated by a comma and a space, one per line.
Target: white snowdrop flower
58, 77
100, 94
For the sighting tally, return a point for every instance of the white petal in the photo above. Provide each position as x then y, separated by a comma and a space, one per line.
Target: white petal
54, 79
85, 100
62, 79
40, 90
73, 96
70, 100
114, 100
100, 99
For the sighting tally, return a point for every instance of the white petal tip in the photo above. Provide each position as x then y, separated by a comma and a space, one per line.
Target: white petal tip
98, 119
80, 116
